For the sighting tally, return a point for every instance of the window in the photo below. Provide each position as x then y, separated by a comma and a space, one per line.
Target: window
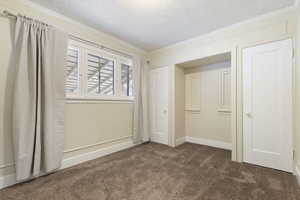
100, 75
72, 72
92, 73
127, 82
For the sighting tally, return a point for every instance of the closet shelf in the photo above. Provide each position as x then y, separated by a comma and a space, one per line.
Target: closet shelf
224, 110
193, 110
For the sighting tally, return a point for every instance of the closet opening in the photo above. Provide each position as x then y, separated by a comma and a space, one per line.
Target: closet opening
203, 101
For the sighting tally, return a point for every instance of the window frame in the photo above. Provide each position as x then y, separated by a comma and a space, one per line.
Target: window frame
83, 51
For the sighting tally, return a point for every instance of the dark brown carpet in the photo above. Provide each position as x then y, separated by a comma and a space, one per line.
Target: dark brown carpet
157, 172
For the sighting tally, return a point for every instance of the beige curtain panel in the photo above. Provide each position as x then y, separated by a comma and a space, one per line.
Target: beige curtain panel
38, 107
141, 112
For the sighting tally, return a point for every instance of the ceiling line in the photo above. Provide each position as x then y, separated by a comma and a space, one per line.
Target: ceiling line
236, 25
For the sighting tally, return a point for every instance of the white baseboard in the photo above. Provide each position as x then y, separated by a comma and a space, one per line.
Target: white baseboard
10, 180
159, 138
180, 141
6, 181
69, 162
212, 143
297, 172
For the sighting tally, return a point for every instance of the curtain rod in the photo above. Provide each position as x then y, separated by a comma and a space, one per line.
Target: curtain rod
6, 13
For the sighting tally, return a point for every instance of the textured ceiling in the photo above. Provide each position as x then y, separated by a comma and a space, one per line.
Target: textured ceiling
152, 24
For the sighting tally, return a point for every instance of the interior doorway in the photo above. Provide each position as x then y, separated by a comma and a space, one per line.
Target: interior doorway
204, 103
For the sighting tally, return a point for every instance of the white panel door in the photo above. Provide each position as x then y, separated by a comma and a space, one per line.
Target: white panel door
159, 83
267, 102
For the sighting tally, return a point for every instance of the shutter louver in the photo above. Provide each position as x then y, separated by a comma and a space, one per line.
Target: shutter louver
72, 72
126, 80
100, 75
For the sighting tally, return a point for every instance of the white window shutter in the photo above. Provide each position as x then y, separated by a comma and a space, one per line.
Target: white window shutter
100, 75
72, 72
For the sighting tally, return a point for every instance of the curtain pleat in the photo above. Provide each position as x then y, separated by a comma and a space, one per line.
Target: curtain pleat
39, 55
141, 113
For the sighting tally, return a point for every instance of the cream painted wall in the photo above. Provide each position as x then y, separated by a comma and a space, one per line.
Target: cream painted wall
297, 121
88, 126
276, 26
213, 120
93, 124
179, 102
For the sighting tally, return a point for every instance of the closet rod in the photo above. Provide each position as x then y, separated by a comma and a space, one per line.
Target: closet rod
6, 13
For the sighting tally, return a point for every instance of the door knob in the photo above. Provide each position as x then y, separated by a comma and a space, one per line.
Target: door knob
249, 114
165, 111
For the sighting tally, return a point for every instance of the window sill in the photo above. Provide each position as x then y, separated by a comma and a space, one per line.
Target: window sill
95, 100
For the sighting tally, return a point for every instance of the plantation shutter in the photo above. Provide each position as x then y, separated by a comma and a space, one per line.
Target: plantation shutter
100, 75
127, 82
72, 72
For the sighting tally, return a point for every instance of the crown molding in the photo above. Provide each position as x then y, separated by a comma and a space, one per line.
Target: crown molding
65, 18
48, 11
70, 20
266, 16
